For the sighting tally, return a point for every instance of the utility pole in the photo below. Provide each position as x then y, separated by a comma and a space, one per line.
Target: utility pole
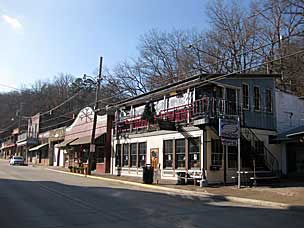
239, 155
92, 145
19, 127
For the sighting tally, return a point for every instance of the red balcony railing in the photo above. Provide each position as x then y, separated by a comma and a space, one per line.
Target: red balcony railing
208, 107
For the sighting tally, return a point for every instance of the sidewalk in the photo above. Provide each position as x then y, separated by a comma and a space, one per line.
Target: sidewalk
283, 195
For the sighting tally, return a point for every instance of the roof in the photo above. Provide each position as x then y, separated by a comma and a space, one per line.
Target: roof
84, 140
200, 78
41, 146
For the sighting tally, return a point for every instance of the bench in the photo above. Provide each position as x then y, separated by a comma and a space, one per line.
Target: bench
194, 176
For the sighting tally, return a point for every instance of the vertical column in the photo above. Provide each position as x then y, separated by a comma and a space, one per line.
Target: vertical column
186, 153
174, 161
137, 158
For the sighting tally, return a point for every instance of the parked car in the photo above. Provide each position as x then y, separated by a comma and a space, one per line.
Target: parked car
17, 160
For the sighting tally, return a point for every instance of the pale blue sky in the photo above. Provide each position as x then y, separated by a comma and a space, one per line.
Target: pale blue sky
40, 38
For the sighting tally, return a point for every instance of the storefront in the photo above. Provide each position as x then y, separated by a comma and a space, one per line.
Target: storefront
39, 154
24, 143
174, 152
77, 141
56, 154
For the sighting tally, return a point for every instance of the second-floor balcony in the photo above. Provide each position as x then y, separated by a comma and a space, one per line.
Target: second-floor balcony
204, 108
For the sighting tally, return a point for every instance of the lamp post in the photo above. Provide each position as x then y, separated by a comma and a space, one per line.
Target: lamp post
92, 144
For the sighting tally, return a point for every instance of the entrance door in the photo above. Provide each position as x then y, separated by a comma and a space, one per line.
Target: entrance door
154, 154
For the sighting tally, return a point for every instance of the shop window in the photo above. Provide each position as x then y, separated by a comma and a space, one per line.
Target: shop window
268, 100
180, 155
194, 152
125, 159
133, 154
257, 99
168, 153
232, 157
246, 96
216, 152
142, 151
118, 155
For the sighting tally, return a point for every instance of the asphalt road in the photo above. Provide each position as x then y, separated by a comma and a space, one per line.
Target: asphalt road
36, 197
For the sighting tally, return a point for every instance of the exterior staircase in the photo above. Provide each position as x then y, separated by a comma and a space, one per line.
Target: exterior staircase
258, 158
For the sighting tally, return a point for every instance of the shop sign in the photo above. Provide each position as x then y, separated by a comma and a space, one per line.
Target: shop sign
229, 130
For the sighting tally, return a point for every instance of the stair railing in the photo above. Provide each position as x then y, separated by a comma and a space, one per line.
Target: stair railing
270, 160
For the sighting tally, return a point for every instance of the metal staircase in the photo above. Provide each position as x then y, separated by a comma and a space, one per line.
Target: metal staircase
255, 152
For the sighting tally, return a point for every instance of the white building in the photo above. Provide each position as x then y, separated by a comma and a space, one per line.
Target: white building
183, 138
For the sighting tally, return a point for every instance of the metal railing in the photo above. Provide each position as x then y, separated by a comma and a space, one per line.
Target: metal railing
270, 160
205, 107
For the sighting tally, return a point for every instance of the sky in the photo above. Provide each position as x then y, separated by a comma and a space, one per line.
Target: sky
41, 38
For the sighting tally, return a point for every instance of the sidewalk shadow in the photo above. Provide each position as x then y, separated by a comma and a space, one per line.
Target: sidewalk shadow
90, 204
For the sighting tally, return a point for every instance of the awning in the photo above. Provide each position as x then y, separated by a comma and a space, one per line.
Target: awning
23, 143
288, 135
39, 147
84, 140
81, 141
65, 143
8, 146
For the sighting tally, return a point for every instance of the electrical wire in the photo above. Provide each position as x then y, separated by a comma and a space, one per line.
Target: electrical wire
209, 80
114, 105
61, 104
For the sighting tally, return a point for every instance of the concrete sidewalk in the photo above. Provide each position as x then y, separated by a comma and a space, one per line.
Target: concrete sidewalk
275, 196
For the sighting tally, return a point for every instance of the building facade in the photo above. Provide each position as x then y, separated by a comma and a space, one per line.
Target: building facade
77, 140
176, 128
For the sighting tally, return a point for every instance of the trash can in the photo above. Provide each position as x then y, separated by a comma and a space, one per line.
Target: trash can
148, 174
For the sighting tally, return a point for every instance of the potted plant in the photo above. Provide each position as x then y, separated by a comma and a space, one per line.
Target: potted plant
149, 113
71, 168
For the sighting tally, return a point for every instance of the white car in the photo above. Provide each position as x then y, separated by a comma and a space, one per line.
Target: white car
17, 160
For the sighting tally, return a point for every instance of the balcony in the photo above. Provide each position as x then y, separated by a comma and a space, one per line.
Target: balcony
201, 110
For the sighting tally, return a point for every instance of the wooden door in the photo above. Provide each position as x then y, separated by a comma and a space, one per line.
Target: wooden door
154, 154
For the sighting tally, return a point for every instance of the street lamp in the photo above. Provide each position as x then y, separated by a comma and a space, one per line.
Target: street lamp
92, 144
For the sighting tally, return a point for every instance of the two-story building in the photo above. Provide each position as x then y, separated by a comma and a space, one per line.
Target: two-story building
176, 127
8, 145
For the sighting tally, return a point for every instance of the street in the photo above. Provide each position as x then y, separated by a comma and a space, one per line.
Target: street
37, 197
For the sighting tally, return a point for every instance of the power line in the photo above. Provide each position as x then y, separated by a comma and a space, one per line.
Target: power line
212, 79
254, 49
66, 101
8, 127
61, 104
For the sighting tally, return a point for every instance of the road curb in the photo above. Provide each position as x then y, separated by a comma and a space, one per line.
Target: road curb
233, 199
